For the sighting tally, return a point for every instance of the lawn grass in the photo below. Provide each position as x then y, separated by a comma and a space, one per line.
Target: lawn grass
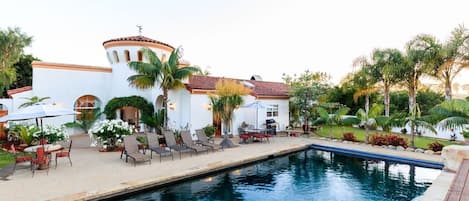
420, 142
6, 158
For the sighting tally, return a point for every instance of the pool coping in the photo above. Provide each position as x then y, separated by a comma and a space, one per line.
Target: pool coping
369, 155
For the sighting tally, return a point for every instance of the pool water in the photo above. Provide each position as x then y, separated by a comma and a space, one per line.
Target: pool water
307, 175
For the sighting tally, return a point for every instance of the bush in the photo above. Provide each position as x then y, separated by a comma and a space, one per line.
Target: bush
436, 146
209, 130
394, 140
349, 137
110, 132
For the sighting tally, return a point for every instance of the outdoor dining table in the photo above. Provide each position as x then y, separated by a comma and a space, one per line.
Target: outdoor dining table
252, 132
49, 148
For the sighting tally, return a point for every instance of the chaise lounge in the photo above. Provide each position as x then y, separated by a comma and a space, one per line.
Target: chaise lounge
154, 146
131, 149
203, 140
171, 143
187, 140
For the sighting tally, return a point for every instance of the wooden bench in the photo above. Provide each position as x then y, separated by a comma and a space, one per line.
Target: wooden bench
459, 189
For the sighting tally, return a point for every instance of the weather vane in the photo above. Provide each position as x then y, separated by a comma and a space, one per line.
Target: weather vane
139, 29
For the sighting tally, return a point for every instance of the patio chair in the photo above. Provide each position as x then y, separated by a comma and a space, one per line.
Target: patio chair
20, 159
131, 149
203, 140
42, 159
171, 143
154, 146
258, 136
63, 154
187, 140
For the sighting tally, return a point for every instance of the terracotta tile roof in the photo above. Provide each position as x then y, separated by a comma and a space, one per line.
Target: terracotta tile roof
261, 88
138, 38
19, 90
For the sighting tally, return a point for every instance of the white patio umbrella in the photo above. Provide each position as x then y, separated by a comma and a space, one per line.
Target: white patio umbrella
38, 112
257, 105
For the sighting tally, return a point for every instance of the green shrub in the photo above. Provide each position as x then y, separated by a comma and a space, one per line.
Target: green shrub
394, 140
209, 130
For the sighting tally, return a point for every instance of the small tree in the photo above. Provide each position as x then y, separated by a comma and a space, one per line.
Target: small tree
227, 98
368, 118
415, 120
154, 121
86, 120
305, 92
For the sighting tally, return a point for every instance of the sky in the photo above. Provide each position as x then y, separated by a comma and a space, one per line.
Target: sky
235, 38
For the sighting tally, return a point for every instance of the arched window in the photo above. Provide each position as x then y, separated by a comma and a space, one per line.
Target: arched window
140, 56
108, 57
127, 56
86, 105
116, 56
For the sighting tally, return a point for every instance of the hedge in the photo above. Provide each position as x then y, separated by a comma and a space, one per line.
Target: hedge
135, 101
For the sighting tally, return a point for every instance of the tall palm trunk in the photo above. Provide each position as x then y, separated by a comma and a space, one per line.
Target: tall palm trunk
367, 108
448, 88
386, 99
165, 111
412, 134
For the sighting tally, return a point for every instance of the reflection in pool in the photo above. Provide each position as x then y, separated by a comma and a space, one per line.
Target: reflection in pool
307, 175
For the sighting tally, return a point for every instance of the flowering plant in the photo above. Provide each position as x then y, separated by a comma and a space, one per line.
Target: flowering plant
52, 134
110, 132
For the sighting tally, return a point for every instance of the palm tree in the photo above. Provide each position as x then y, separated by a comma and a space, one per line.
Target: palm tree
86, 121
369, 117
415, 120
155, 120
169, 74
364, 81
34, 100
452, 113
387, 67
422, 52
453, 58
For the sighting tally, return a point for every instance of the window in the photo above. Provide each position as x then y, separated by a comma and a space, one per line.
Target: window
86, 105
108, 57
127, 55
140, 56
272, 111
116, 57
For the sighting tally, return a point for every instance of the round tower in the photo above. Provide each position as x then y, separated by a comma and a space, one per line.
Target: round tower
121, 51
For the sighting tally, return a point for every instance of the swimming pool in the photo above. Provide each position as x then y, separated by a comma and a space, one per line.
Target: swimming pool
307, 175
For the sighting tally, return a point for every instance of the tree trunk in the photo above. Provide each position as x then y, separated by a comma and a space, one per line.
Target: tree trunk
330, 131
412, 134
448, 90
412, 98
367, 108
386, 100
165, 106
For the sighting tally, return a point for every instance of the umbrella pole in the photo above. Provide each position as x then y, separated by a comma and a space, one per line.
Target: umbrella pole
42, 134
257, 118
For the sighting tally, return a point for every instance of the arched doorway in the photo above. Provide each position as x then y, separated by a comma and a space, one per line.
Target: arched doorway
129, 109
159, 103
87, 105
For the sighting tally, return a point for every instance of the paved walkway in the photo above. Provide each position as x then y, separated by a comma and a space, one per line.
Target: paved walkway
94, 173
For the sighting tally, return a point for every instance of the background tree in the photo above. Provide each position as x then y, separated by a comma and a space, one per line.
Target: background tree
306, 90
452, 59
24, 71
169, 74
420, 60
387, 68
34, 100
12, 43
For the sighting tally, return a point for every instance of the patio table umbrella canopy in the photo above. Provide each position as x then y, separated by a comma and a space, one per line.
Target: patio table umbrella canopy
257, 105
38, 112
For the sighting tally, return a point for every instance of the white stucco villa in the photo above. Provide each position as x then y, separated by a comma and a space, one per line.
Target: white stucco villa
85, 87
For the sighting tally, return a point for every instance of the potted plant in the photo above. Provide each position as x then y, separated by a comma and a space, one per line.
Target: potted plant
110, 132
209, 130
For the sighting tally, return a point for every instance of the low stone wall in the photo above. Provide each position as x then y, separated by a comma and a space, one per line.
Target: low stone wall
453, 155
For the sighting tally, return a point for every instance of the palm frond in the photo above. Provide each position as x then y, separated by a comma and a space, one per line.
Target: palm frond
323, 113
141, 81
425, 125
452, 123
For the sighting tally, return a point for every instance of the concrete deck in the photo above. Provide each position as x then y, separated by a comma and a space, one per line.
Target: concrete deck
95, 174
